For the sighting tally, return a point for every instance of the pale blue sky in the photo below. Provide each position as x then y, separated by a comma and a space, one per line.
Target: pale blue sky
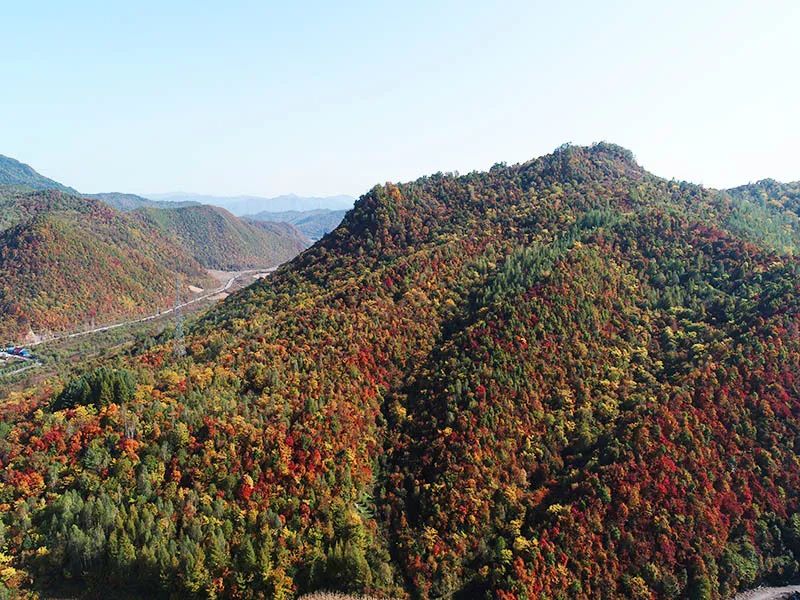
265, 98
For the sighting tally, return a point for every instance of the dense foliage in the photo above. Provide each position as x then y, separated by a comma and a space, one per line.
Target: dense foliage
219, 240
770, 207
100, 387
561, 379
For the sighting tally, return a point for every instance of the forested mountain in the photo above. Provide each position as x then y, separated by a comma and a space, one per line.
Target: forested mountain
314, 224
219, 240
66, 261
566, 378
15, 173
18, 205
128, 202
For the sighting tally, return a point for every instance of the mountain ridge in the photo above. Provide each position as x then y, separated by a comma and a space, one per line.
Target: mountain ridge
16, 173
562, 378
129, 202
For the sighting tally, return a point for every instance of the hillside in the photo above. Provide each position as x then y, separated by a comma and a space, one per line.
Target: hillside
314, 224
282, 229
17, 174
67, 261
566, 378
219, 240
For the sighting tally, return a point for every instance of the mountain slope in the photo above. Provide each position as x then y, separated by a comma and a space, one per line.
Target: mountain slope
219, 240
564, 378
18, 205
66, 261
15, 173
314, 224
590, 418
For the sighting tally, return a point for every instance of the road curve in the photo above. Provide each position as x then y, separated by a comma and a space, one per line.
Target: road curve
224, 288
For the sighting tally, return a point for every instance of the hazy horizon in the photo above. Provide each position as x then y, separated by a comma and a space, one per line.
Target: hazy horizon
267, 99
177, 194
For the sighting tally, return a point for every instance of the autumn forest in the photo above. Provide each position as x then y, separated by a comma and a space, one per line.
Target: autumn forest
565, 378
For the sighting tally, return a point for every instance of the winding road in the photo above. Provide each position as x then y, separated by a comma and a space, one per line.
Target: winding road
66, 336
157, 315
33, 364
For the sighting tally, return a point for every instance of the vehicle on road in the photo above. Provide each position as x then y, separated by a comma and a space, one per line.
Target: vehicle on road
17, 352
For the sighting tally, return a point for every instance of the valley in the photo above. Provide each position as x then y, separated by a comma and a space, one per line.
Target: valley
60, 354
200, 296
68, 261
204, 250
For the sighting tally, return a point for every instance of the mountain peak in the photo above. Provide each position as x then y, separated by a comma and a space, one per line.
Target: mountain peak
567, 162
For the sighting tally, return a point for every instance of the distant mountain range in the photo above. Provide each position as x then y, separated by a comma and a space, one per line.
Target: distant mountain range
18, 174
248, 205
314, 224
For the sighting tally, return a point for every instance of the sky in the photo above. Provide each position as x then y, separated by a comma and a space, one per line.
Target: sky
323, 98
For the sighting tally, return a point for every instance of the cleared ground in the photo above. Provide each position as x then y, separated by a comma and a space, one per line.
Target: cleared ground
769, 593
